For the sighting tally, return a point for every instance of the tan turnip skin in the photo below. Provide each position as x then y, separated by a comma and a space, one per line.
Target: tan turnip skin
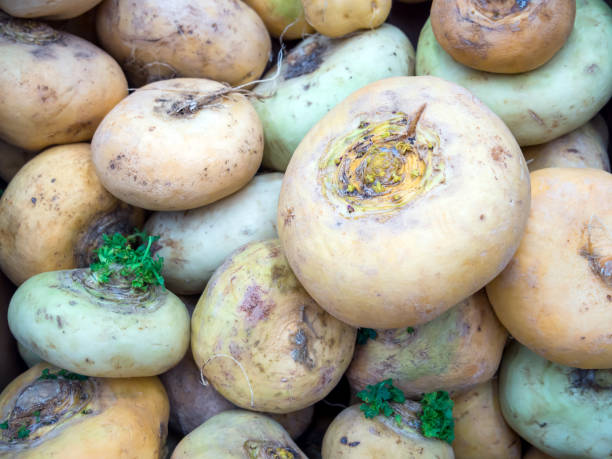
46, 9
352, 436
336, 18
282, 17
261, 341
97, 418
238, 434
539, 106
555, 295
379, 259
586, 146
453, 352
155, 39
192, 403
55, 87
480, 428
54, 212
502, 36
178, 144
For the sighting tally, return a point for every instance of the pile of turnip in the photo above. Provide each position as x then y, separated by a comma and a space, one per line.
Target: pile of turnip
290, 229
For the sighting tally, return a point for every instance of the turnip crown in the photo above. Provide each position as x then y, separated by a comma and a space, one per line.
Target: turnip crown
382, 165
117, 257
44, 404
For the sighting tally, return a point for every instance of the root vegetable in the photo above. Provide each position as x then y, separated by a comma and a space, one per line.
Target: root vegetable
563, 411
45, 9
353, 436
192, 403
178, 144
195, 243
555, 296
393, 193
47, 412
584, 147
238, 434
54, 212
453, 352
336, 18
110, 320
56, 87
502, 36
480, 428
260, 339
552, 100
157, 40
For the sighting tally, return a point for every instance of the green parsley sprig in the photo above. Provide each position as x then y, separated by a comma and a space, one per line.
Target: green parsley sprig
64, 374
437, 416
117, 255
377, 398
364, 334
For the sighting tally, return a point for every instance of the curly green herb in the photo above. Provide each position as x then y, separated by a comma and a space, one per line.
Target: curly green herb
23, 432
437, 416
64, 374
377, 398
364, 334
117, 255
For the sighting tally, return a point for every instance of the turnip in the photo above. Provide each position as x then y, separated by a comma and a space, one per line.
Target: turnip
353, 436
55, 87
192, 403
586, 146
480, 428
156, 39
336, 18
178, 144
455, 351
261, 341
393, 194
54, 212
196, 242
555, 295
110, 320
502, 36
50, 412
552, 100
238, 434
52, 10
563, 411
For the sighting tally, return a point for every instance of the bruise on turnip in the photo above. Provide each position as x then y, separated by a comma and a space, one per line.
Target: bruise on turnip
260, 339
